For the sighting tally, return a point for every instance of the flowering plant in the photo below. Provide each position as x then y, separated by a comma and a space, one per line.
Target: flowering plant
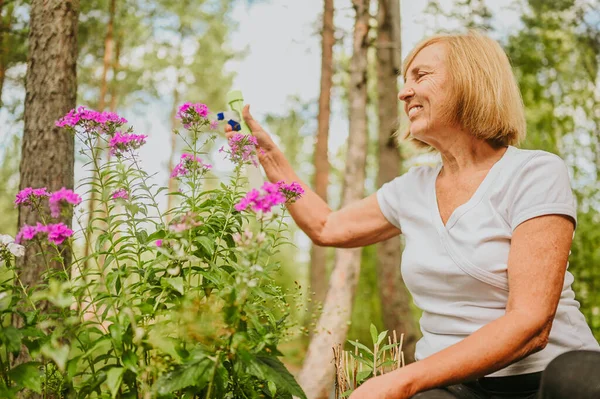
176, 304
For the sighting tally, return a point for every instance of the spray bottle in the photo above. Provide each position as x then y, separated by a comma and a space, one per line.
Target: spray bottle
236, 104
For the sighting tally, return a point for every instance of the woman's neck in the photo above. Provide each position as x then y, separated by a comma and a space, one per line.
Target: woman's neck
467, 153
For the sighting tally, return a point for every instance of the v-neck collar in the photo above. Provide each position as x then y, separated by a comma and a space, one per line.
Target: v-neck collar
475, 198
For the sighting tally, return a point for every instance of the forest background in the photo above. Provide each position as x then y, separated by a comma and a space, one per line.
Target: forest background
142, 58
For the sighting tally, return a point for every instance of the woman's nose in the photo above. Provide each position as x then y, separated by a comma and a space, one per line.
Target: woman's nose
405, 93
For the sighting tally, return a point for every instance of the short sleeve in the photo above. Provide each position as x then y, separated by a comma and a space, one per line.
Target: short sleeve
541, 187
388, 197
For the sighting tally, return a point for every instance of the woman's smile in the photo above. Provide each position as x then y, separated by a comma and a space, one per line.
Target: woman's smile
414, 110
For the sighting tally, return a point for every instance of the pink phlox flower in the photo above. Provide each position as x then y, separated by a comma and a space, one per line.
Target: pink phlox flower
190, 114
122, 142
75, 116
292, 191
214, 125
28, 195
64, 196
159, 243
184, 223
120, 193
262, 201
242, 148
26, 233
58, 233
187, 163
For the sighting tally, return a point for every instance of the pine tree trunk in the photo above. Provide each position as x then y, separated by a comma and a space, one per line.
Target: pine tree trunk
47, 158
317, 374
395, 299
318, 255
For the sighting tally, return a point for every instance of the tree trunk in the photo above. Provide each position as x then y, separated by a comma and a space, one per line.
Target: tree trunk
4, 32
172, 185
51, 89
108, 49
318, 255
395, 299
316, 377
114, 88
108, 52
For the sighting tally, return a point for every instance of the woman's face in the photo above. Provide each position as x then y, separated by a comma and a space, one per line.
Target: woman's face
425, 94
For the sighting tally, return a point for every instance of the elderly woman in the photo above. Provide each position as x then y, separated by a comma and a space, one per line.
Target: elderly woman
488, 232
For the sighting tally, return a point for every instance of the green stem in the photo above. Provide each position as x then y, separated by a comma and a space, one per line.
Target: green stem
212, 375
229, 212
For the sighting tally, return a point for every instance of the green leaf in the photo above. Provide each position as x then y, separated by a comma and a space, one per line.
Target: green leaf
373, 333
271, 369
130, 361
114, 378
207, 244
194, 374
361, 346
174, 282
58, 354
11, 337
363, 375
381, 337
272, 388
28, 375
142, 236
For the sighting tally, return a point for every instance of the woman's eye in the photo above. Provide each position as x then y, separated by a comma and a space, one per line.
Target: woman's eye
419, 76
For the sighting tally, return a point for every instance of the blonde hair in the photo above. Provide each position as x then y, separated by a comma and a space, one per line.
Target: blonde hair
484, 96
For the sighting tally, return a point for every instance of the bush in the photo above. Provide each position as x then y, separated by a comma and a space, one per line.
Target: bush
179, 309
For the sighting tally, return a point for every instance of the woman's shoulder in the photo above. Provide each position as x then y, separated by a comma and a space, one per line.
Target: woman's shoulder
536, 158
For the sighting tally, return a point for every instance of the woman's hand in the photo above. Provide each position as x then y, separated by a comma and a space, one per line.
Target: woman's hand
265, 143
387, 386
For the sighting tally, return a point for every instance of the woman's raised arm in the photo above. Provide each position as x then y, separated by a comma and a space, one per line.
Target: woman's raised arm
356, 225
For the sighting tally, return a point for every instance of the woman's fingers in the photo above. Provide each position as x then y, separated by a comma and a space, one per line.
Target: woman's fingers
252, 124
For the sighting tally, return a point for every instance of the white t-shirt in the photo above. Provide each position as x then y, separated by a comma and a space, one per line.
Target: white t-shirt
457, 273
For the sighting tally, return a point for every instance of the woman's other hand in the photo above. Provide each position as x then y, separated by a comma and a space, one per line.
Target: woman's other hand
386, 386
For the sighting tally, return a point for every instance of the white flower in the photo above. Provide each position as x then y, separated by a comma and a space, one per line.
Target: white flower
5, 239
253, 283
16, 249
256, 268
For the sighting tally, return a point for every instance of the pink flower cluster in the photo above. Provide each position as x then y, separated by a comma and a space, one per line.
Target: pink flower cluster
122, 142
57, 233
191, 114
29, 195
120, 193
62, 196
292, 191
82, 114
185, 222
242, 148
263, 200
187, 163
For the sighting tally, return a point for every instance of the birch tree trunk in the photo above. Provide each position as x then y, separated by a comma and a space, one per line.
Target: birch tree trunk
318, 255
395, 299
106, 64
4, 30
317, 374
51, 89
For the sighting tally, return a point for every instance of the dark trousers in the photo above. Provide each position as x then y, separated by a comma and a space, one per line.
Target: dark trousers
572, 375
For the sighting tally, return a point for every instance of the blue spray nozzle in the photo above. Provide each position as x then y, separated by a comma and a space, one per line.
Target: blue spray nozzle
234, 125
